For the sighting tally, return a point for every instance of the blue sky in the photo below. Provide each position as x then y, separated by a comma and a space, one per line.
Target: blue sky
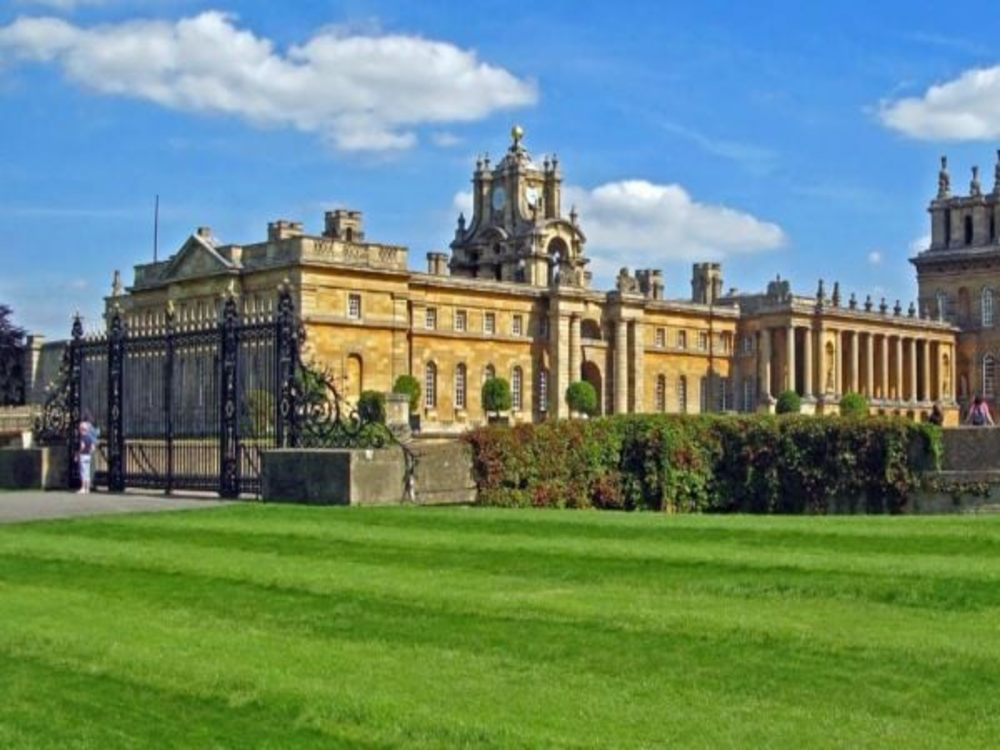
776, 137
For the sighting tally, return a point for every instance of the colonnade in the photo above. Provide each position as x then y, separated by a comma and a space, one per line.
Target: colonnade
886, 366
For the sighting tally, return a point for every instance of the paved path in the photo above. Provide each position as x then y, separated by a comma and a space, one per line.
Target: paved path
16, 507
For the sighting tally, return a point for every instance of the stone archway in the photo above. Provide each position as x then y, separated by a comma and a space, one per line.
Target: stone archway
591, 373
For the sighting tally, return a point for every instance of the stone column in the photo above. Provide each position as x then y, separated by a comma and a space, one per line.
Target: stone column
790, 357
765, 364
925, 367
884, 350
899, 369
559, 380
638, 368
575, 351
913, 369
621, 367
870, 366
34, 388
854, 361
838, 363
808, 386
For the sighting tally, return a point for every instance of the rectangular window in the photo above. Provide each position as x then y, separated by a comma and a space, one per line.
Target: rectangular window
460, 386
461, 320
749, 396
702, 341
682, 340
543, 390
354, 306
515, 388
517, 327
431, 318
661, 338
490, 322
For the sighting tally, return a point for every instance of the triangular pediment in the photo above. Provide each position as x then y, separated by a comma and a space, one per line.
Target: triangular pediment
196, 258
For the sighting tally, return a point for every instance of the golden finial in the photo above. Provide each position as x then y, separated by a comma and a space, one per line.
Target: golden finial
517, 133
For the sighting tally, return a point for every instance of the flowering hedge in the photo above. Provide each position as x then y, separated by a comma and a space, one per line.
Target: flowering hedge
754, 464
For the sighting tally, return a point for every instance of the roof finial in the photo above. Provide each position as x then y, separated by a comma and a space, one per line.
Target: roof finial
516, 134
944, 181
975, 188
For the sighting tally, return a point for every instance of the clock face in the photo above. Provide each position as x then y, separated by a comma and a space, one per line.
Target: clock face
531, 195
499, 198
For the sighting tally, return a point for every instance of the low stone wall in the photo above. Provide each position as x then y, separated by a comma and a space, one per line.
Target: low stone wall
333, 477
34, 469
442, 475
971, 449
443, 472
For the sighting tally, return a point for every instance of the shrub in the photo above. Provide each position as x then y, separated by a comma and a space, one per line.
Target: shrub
371, 407
582, 398
788, 403
674, 463
496, 395
853, 405
408, 386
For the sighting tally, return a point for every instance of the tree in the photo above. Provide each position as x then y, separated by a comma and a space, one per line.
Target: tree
582, 398
371, 407
789, 402
496, 395
12, 348
854, 405
409, 386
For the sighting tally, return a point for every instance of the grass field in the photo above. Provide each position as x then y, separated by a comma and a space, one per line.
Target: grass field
276, 627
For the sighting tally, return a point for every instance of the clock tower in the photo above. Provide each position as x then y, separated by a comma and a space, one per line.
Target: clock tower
517, 232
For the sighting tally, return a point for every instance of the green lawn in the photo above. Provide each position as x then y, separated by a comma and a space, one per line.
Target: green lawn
264, 626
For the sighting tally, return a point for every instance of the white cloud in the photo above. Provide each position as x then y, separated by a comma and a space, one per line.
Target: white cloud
875, 258
362, 92
662, 223
461, 202
965, 109
920, 244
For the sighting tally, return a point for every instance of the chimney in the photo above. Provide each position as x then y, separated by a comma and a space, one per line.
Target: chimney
437, 264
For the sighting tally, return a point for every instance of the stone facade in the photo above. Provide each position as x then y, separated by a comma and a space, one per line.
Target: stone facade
958, 277
515, 300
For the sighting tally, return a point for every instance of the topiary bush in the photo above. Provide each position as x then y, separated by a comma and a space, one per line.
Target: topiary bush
582, 398
853, 405
789, 402
496, 395
371, 407
409, 386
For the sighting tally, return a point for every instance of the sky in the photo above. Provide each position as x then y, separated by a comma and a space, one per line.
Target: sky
774, 137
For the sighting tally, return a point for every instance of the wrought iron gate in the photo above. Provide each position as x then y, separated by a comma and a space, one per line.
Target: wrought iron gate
182, 405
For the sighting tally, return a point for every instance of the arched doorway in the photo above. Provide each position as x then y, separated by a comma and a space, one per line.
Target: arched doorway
591, 373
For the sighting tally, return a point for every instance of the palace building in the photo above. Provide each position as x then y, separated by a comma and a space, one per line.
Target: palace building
514, 299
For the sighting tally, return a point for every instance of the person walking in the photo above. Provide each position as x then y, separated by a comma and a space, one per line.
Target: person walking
85, 454
979, 415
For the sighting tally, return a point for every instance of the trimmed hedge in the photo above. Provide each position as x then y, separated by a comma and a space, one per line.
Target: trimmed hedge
674, 463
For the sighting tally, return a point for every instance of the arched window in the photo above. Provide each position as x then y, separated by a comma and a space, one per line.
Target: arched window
682, 394
661, 393
430, 386
460, 381
543, 389
989, 376
987, 308
942, 304
516, 381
